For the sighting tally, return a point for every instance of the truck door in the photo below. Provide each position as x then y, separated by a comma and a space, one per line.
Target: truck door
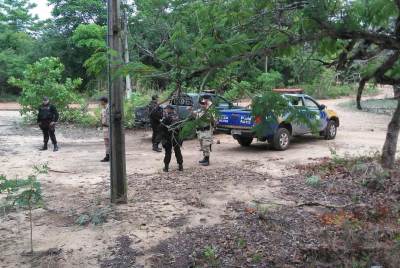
298, 103
319, 117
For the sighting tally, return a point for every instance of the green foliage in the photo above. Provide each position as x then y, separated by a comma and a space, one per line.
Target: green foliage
210, 254
17, 46
239, 90
22, 193
44, 78
189, 126
90, 38
81, 118
326, 85
270, 80
136, 100
96, 217
313, 181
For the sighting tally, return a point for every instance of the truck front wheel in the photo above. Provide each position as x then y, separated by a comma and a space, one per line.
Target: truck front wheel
281, 139
244, 141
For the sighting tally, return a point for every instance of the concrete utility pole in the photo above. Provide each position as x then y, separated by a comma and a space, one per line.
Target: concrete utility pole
116, 88
128, 82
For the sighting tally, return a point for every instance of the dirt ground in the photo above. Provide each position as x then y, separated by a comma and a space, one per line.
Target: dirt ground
161, 206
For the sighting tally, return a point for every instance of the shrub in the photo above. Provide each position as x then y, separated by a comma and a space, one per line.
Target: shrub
270, 80
263, 83
81, 118
44, 78
313, 181
137, 99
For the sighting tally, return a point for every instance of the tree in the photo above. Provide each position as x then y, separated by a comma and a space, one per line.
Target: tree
17, 46
366, 34
90, 38
69, 14
44, 78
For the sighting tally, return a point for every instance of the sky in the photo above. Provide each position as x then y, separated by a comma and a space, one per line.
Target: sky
42, 10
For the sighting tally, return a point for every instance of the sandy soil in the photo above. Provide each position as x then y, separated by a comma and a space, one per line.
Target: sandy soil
160, 205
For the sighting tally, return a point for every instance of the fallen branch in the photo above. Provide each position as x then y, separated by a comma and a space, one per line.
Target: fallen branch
317, 204
61, 171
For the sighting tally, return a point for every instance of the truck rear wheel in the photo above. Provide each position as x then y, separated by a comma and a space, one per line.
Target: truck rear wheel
281, 139
244, 141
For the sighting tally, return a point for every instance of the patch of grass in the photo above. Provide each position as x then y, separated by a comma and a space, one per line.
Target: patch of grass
96, 217
210, 254
256, 258
313, 181
378, 106
242, 243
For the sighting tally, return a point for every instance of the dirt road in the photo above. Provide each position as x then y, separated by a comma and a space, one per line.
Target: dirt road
160, 205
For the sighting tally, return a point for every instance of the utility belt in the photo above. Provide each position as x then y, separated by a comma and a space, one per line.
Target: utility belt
203, 128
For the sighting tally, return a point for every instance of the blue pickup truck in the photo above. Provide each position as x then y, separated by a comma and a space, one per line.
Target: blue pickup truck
240, 123
184, 103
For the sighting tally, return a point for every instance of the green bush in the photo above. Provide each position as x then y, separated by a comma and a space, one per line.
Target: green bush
270, 80
325, 86
137, 99
45, 78
238, 90
263, 83
81, 118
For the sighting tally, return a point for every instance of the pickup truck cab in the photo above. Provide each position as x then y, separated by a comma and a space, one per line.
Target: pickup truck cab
240, 123
183, 105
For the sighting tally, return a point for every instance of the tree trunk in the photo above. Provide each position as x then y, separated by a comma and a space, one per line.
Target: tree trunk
359, 92
392, 136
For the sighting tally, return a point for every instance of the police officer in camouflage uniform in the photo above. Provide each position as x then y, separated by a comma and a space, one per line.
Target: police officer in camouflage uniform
170, 137
47, 118
105, 124
205, 129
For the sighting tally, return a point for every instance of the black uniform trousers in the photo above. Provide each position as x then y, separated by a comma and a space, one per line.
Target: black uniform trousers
168, 146
48, 132
155, 126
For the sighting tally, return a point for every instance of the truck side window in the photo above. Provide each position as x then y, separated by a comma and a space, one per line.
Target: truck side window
309, 103
296, 101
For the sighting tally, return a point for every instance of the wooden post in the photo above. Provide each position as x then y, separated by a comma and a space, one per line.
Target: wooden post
116, 88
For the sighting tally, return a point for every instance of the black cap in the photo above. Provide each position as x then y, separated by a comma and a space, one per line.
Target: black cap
45, 98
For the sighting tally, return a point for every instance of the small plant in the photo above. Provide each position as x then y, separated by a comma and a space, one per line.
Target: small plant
23, 193
256, 258
242, 243
313, 181
210, 254
96, 217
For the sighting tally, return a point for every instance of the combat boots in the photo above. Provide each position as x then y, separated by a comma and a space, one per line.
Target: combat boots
180, 167
55, 149
166, 168
44, 148
156, 148
205, 161
106, 159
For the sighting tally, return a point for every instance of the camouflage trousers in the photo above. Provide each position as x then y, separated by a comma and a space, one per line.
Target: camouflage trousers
206, 140
106, 137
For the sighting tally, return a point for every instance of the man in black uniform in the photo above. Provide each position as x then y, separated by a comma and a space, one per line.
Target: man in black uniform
47, 119
155, 113
170, 137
